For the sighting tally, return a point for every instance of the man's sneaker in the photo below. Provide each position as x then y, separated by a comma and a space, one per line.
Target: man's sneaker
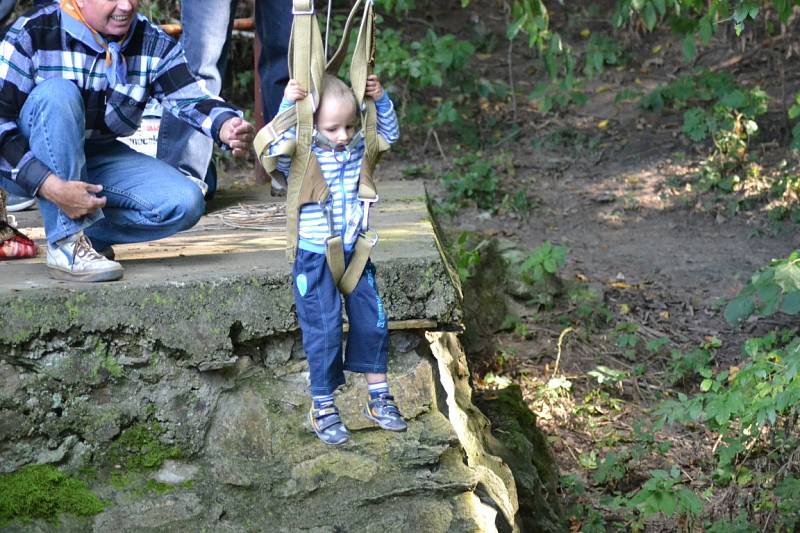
16, 203
76, 260
328, 426
108, 253
384, 412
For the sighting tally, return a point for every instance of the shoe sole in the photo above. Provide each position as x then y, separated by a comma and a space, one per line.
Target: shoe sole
86, 277
311, 421
20, 206
375, 420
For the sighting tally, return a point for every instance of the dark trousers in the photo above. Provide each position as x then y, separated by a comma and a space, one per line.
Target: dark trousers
319, 310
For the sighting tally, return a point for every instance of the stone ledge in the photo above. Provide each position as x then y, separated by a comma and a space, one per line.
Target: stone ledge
202, 292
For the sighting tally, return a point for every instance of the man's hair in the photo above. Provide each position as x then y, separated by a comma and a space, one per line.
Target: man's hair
334, 89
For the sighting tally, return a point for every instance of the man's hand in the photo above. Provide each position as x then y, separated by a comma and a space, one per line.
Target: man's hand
374, 89
238, 134
75, 198
294, 91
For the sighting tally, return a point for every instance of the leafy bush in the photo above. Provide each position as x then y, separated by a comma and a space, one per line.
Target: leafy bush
740, 403
772, 289
475, 179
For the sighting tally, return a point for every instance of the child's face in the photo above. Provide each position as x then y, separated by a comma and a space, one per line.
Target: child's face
336, 119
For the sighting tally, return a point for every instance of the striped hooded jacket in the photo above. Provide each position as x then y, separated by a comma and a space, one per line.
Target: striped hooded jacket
341, 173
46, 43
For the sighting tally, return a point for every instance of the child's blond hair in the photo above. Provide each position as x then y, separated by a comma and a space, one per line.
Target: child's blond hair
334, 89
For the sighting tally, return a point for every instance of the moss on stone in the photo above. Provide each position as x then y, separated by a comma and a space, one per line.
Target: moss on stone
138, 448
42, 491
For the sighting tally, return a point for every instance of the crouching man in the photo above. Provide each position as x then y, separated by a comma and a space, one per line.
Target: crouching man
75, 76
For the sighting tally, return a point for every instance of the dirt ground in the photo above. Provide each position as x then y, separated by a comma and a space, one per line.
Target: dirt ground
613, 193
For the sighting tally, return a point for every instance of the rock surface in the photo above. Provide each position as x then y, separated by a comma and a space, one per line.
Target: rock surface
182, 399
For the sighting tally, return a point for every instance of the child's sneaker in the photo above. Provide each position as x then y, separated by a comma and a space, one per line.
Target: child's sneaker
328, 426
384, 412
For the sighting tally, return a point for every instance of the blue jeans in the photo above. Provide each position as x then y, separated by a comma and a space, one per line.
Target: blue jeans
319, 311
206, 39
146, 198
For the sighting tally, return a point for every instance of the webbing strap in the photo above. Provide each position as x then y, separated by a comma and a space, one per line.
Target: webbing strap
270, 133
347, 279
306, 183
288, 118
334, 255
337, 59
307, 66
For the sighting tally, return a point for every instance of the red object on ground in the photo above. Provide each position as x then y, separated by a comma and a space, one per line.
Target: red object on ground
18, 247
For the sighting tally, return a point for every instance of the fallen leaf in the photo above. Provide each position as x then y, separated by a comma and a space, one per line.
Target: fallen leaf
603, 124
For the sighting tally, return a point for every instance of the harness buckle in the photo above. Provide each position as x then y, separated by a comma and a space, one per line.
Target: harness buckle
328, 212
299, 11
367, 203
371, 235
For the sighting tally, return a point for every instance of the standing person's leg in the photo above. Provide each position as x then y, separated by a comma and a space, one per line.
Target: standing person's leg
206, 39
274, 26
53, 120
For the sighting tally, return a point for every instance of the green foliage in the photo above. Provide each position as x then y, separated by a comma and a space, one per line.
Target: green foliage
563, 89
466, 257
788, 493
772, 289
684, 366
43, 492
139, 448
742, 403
396, 7
590, 312
425, 63
543, 263
665, 493
717, 108
625, 337
540, 271
601, 51
794, 112
475, 179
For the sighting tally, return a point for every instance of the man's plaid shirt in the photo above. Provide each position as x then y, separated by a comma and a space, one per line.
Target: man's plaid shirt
39, 47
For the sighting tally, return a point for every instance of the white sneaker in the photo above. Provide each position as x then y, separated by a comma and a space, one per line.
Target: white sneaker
76, 260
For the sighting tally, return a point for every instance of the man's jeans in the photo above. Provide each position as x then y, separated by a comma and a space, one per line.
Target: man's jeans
146, 198
205, 26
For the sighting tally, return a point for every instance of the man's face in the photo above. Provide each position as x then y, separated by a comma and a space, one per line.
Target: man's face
109, 17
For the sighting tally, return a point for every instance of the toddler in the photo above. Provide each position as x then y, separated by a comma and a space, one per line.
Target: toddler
339, 148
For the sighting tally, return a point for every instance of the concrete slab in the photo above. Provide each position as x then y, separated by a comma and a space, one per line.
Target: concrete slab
229, 272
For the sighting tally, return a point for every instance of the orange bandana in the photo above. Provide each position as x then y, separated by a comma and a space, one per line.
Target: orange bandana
73, 10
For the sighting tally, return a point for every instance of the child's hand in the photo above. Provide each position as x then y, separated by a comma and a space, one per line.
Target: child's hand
294, 91
374, 89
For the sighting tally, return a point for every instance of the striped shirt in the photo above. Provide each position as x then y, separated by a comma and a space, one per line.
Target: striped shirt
45, 43
341, 171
